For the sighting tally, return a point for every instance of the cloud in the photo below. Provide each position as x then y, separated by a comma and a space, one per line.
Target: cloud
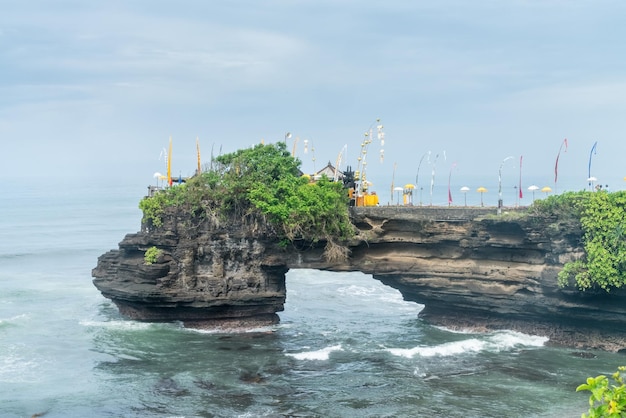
482, 80
586, 96
138, 49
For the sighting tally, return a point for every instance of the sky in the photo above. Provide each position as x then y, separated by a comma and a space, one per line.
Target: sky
95, 89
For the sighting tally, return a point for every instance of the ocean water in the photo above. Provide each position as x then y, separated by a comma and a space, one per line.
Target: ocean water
347, 346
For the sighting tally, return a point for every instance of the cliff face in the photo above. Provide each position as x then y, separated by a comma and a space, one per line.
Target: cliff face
470, 268
206, 276
488, 272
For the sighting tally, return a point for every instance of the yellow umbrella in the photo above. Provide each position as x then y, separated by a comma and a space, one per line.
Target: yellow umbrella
546, 190
481, 190
408, 190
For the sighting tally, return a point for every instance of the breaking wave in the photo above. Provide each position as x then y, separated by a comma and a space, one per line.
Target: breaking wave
496, 342
322, 354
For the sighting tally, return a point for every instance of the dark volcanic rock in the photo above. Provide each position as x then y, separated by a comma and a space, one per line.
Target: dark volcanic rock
206, 276
486, 272
469, 267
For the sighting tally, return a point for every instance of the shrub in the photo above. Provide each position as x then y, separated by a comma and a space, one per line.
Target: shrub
263, 180
151, 255
602, 218
606, 400
153, 207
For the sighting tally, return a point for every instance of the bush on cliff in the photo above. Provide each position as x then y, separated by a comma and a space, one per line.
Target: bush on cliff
602, 217
153, 207
566, 207
265, 180
151, 255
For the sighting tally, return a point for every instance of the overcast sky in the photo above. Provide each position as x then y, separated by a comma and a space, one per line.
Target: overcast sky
96, 88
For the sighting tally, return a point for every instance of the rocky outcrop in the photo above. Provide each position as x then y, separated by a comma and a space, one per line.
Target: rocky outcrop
206, 275
469, 267
481, 271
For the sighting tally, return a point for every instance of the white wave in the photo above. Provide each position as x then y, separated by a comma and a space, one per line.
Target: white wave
382, 297
355, 290
225, 330
13, 319
456, 330
447, 349
117, 325
496, 342
509, 339
322, 354
396, 298
15, 367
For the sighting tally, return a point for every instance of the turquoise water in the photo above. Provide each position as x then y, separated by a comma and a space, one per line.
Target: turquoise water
347, 346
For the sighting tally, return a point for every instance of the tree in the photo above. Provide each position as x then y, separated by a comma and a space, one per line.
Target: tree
264, 180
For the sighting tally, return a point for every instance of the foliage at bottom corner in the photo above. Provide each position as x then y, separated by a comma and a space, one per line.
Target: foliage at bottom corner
607, 399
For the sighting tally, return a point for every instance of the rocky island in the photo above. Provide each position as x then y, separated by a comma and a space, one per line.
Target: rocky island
470, 267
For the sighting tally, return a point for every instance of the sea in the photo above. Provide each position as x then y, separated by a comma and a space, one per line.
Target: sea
346, 345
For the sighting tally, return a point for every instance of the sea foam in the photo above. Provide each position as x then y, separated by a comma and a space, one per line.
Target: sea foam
322, 354
117, 325
447, 349
267, 329
496, 342
19, 366
13, 320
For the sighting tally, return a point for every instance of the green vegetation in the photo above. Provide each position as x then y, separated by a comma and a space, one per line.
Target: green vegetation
606, 400
602, 217
152, 255
263, 181
566, 207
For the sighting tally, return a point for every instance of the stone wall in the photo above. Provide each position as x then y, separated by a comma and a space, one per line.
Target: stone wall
432, 213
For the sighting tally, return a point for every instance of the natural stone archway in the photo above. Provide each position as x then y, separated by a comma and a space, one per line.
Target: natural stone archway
468, 267
356, 298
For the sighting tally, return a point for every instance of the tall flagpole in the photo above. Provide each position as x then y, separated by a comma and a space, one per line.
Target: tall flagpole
417, 176
393, 177
500, 185
432, 180
593, 151
556, 164
198, 149
521, 194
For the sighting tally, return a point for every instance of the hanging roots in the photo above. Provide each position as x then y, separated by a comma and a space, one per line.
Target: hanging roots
335, 253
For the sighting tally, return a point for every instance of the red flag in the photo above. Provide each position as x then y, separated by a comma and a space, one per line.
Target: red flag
449, 191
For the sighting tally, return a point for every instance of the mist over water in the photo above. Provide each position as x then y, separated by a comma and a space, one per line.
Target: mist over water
347, 346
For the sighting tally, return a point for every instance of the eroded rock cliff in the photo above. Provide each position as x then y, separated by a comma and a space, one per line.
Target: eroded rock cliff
482, 271
469, 267
206, 275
